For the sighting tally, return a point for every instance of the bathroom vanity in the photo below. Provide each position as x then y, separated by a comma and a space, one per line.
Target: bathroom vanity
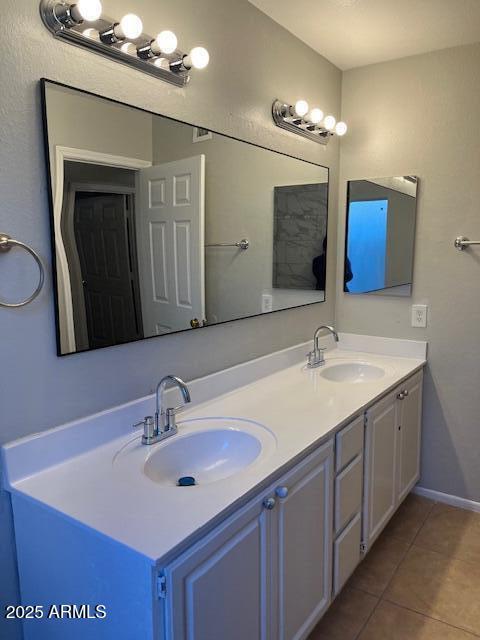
298, 471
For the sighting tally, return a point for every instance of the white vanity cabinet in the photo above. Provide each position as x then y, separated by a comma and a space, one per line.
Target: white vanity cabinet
234, 560
392, 450
265, 573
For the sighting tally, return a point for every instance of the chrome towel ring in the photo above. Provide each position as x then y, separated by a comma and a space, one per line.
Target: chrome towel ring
6, 243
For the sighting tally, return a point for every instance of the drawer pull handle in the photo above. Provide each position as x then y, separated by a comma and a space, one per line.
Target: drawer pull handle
282, 492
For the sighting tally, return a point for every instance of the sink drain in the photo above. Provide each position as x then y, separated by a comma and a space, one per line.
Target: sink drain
186, 481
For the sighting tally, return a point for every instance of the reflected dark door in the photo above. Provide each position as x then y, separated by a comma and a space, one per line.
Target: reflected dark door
103, 229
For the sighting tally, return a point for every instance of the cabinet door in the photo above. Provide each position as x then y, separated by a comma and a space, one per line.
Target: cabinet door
303, 543
410, 421
380, 466
220, 588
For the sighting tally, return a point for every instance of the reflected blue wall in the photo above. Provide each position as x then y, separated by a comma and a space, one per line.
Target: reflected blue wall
367, 245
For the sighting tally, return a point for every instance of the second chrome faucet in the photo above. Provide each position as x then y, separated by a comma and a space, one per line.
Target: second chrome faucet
315, 358
163, 425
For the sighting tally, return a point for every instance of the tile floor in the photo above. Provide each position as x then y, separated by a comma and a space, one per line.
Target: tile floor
420, 581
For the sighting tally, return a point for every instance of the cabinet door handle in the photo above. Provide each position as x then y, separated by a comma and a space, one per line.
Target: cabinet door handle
400, 396
269, 503
405, 393
282, 492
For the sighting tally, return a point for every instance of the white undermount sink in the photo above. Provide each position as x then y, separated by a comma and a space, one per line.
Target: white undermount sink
205, 449
353, 372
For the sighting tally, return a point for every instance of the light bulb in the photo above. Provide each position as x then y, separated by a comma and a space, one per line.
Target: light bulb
329, 123
341, 129
162, 63
88, 10
198, 58
165, 42
90, 33
130, 27
301, 108
315, 115
130, 48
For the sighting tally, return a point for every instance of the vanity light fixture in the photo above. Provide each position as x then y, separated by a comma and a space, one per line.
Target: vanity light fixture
82, 22
309, 123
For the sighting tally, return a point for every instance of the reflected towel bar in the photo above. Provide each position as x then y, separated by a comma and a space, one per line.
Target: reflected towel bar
462, 243
243, 244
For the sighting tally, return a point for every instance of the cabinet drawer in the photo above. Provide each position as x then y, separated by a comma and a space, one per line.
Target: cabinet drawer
349, 443
348, 493
346, 553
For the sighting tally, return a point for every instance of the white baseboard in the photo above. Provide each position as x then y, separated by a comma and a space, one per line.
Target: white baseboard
454, 501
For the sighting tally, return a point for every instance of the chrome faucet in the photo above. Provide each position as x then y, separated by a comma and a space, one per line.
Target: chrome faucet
164, 424
315, 358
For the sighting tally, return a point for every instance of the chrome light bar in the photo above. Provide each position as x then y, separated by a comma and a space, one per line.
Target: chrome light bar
309, 124
123, 41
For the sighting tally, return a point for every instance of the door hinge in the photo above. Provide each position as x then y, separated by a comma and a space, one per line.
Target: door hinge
365, 419
162, 587
363, 548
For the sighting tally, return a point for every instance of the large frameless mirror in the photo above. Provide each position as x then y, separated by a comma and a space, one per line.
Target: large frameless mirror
380, 235
160, 226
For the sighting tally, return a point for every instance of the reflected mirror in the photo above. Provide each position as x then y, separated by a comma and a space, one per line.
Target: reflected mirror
380, 235
160, 226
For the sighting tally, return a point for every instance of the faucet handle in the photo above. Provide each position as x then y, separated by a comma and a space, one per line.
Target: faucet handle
148, 424
170, 413
141, 423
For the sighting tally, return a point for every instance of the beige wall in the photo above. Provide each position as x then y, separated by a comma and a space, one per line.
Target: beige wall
234, 95
420, 116
81, 121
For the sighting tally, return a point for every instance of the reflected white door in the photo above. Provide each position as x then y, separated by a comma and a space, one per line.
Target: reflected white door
170, 237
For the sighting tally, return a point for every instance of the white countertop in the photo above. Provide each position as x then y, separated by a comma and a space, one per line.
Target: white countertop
70, 469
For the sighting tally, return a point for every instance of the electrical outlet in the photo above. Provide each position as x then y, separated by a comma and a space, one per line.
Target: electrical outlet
267, 303
419, 315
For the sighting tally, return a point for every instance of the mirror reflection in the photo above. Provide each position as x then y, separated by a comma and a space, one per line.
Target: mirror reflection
160, 226
380, 235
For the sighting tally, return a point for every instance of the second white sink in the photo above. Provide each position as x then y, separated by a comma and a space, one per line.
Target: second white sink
353, 372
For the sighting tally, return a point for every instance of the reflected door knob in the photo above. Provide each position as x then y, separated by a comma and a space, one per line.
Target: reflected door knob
194, 323
282, 492
269, 503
